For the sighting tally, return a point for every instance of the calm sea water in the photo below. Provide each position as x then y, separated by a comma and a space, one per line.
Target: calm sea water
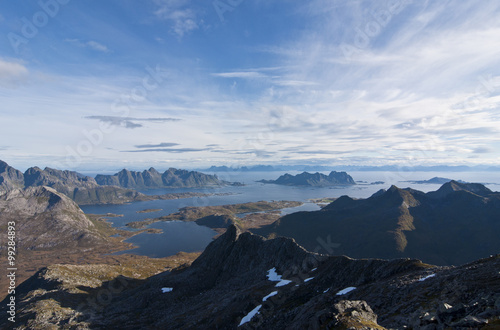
190, 237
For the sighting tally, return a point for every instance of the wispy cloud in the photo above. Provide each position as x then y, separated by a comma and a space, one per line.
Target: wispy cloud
160, 145
172, 150
97, 46
240, 74
94, 45
181, 15
12, 73
129, 122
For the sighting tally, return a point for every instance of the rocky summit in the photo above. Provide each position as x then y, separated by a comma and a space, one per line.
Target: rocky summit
313, 179
243, 281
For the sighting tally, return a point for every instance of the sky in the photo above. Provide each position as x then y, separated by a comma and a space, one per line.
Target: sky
107, 84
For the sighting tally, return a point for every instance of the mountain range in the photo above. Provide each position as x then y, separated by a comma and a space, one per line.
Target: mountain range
111, 189
456, 224
313, 179
171, 178
80, 188
349, 168
243, 281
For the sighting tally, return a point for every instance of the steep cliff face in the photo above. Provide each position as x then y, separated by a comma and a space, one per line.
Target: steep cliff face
245, 280
46, 219
171, 178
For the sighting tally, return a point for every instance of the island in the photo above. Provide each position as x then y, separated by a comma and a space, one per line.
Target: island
245, 215
313, 179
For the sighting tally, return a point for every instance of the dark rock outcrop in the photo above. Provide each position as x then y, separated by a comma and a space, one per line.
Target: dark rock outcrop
313, 179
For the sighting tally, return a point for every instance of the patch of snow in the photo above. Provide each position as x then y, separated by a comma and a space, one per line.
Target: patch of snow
270, 295
326, 290
165, 290
312, 270
274, 277
308, 279
249, 316
427, 277
283, 283
346, 290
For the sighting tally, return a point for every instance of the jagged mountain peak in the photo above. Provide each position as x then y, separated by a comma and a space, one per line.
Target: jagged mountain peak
10, 178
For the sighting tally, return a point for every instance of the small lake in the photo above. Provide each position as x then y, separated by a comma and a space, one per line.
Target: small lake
190, 237
177, 236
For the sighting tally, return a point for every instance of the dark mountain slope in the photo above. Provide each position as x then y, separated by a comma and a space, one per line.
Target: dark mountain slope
454, 225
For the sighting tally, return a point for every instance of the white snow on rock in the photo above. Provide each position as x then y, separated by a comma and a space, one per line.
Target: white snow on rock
165, 290
312, 270
249, 316
283, 283
326, 290
274, 277
346, 290
308, 279
427, 277
270, 295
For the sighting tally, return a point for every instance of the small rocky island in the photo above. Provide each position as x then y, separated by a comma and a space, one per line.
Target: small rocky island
313, 179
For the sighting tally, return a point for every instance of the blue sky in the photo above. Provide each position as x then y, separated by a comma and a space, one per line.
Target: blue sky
110, 84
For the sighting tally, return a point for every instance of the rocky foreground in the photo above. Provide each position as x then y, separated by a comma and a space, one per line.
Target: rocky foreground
245, 281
